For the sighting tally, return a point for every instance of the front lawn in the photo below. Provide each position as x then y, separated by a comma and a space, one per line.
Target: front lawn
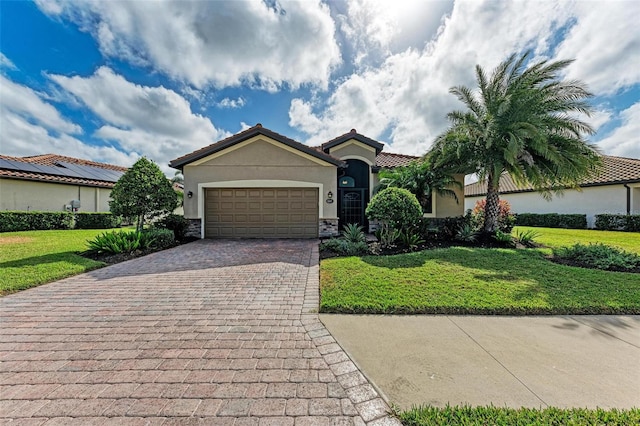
556, 237
31, 258
474, 281
523, 416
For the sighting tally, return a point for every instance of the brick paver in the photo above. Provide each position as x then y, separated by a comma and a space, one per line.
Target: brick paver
212, 332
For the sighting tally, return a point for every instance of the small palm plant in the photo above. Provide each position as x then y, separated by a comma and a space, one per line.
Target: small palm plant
353, 233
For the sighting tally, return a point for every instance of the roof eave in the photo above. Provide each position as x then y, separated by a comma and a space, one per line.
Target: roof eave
179, 163
352, 135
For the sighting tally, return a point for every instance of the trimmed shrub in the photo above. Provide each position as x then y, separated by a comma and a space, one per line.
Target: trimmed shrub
162, 238
618, 222
396, 207
176, 223
552, 220
96, 221
345, 247
13, 221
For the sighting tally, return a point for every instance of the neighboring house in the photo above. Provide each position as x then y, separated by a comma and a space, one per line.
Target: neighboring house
615, 190
56, 183
261, 184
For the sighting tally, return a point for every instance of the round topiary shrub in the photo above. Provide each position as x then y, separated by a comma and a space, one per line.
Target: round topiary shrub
395, 207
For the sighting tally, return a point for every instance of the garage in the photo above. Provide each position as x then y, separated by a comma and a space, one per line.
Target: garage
261, 213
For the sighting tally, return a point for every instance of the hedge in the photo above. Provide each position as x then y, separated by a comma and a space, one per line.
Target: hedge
618, 222
552, 220
96, 221
11, 221
14, 221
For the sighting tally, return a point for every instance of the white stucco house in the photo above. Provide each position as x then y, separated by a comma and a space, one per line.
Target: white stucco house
616, 190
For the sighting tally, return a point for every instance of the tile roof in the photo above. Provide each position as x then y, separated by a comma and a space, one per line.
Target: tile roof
52, 160
616, 170
353, 134
390, 160
247, 134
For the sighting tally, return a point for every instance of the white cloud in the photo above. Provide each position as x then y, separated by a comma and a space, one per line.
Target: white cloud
598, 118
375, 28
624, 141
22, 138
24, 101
407, 96
6, 62
605, 42
221, 43
231, 103
31, 126
154, 121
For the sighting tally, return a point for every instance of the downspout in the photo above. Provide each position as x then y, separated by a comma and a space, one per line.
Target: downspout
628, 198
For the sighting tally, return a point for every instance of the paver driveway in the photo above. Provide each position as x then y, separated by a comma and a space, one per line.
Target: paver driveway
212, 332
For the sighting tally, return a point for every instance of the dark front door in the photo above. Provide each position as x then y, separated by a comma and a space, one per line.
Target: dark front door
353, 202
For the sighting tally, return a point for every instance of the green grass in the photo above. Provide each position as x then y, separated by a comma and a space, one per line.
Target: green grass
481, 416
483, 281
473, 281
31, 258
554, 237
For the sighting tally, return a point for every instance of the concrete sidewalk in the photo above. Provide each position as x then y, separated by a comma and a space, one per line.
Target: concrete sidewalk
562, 361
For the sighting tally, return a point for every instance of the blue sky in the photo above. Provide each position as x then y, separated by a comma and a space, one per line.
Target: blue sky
112, 81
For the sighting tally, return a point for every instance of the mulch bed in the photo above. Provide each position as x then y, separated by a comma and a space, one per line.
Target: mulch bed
111, 259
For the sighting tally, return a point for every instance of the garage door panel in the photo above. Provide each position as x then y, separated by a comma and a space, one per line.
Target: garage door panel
261, 213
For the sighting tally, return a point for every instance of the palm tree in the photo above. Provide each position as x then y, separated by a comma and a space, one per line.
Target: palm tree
522, 121
177, 177
419, 178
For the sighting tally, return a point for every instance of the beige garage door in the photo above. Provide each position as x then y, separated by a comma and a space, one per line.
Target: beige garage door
261, 213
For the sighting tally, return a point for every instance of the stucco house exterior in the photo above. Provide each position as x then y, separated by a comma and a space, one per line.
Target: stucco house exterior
260, 184
615, 190
53, 182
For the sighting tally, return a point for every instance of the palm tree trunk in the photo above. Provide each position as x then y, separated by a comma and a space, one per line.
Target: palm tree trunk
492, 207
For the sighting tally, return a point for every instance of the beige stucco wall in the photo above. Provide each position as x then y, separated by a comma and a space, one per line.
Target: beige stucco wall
590, 201
447, 206
259, 162
31, 195
353, 149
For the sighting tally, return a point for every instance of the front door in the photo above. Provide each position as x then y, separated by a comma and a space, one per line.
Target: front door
353, 202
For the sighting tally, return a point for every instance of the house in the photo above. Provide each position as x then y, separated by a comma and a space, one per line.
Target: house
53, 182
261, 184
616, 190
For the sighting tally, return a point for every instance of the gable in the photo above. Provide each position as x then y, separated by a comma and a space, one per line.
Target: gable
260, 151
249, 136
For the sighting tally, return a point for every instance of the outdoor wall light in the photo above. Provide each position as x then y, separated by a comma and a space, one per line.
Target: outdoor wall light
190, 194
330, 195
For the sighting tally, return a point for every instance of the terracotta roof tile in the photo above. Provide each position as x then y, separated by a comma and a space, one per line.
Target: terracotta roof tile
615, 170
390, 160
